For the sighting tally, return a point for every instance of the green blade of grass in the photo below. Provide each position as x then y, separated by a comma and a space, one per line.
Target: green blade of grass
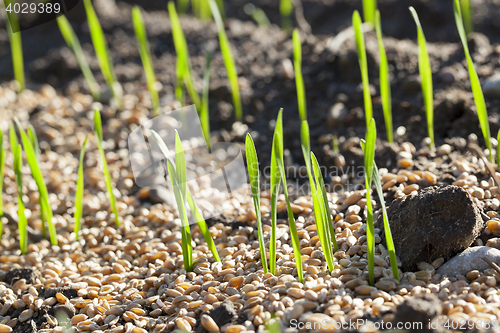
371, 138
369, 8
16, 47
36, 149
45, 209
467, 16
12, 137
183, 59
74, 44
424, 67
477, 91
299, 80
107, 176
180, 166
335, 145
258, 15
102, 52
318, 202
183, 6
227, 55
79, 191
275, 183
204, 115
253, 175
22, 222
286, 10
278, 149
385, 82
498, 148
143, 45
2, 166
187, 249
363, 65
194, 208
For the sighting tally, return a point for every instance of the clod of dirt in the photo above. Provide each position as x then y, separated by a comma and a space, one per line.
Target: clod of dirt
418, 310
470, 259
17, 274
222, 315
437, 222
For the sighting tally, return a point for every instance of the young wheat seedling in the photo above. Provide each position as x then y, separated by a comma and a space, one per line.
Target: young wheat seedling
102, 52
424, 67
16, 46
371, 137
253, 175
31, 156
385, 82
2, 165
143, 45
321, 212
107, 176
183, 6
498, 148
363, 65
278, 156
34, 145
192, 205
22, 222
369, 8
79, 191
183, 59
258, 15
204, 116
299, 80
467, 16
477, 91
228, 60
74, 44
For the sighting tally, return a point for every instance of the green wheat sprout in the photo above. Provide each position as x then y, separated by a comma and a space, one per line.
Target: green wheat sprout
286, 11
16, 47
22, 222
369, 8
79, 191
2, 166
74, 44
228, 60
143, 45
204, 115
299, 80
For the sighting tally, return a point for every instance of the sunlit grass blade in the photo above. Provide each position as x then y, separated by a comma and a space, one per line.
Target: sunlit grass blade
2, 166
102, 52
477, 91
299, 80
335, 144
228, 60
45, 209
183, 59
22, 222
278, 146
498, 149
74, 44
467, 16
204, 115
36, 149
363, 65
318, 202
385, 82
253, 175
258, 15
369, 8
424, 67
201, 9
180, 166
79, 191
12, 137
183, 6
16, 46
371, 138
275, 182
187, 249
107, 176
286, 11
194, 208
143, 45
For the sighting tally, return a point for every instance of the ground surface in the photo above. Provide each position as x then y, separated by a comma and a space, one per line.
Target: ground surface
131, 278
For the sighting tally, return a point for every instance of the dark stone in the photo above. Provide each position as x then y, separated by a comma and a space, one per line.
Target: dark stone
412, 85
437, 222
222, 315
15, 275
418, 310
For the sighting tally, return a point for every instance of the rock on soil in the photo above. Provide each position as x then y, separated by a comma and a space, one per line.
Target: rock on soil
470, 259
418, 310
437, 222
